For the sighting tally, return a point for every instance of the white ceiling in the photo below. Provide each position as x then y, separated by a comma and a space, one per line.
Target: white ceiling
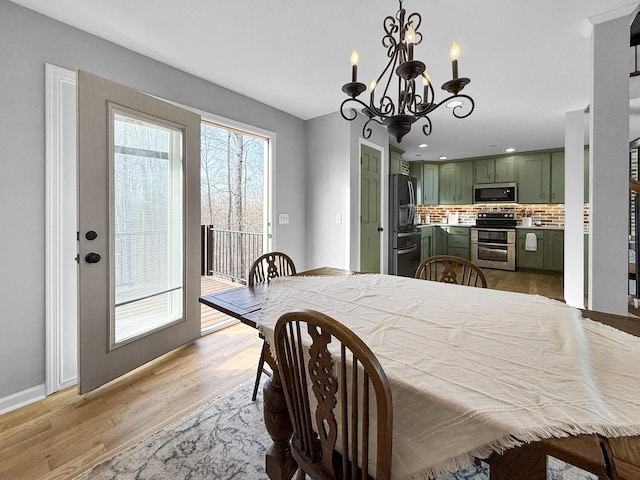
529, 61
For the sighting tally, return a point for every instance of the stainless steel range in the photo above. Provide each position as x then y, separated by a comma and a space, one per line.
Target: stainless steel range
493, 240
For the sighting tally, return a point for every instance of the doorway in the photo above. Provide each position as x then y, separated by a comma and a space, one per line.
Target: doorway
234, 198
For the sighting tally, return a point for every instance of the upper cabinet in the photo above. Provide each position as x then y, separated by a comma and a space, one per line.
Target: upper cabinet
557, 178
539, 176
395, 159
498, 170
428, 182
456, 183
505, 170
533, 174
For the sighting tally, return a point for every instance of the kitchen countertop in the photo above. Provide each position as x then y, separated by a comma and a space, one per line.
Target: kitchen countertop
541, 227
533, 227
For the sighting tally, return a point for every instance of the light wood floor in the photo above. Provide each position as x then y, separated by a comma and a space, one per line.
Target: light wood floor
66, 433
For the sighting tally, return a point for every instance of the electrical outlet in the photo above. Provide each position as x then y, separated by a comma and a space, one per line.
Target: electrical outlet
283, 218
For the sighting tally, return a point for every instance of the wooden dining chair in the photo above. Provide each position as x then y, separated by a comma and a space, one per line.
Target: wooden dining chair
265, 268
330, 380
450, 269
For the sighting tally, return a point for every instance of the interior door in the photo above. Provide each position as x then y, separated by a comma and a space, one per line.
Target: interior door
369, 210
138, 229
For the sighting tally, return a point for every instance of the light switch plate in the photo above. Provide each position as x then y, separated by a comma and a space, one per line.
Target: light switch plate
283, 218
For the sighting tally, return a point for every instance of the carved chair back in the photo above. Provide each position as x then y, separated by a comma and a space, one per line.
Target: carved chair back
332, 381
450, 269
269, 266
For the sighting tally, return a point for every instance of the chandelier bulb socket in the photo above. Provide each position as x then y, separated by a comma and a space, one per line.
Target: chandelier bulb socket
353, 89
456, 85
410, 70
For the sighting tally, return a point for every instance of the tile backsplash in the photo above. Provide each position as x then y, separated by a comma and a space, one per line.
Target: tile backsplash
549, 215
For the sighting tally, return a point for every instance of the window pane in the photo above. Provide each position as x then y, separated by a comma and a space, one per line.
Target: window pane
147, 219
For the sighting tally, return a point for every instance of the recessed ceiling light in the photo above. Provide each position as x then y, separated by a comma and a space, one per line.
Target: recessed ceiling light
510, 150
423, 145
443, 158
454, 104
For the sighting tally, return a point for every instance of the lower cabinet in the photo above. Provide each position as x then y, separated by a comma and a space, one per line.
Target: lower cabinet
549, 252
458, 241
441, 240
426, 242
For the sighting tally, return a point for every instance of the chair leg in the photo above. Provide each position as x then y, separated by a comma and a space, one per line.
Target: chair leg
259, 373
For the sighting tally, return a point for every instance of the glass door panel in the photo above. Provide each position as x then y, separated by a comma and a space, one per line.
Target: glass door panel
147, 221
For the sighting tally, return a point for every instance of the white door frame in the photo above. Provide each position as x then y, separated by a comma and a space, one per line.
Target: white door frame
61, 286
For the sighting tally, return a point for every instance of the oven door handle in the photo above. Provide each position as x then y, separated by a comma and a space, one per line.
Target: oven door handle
404, 251
485, 244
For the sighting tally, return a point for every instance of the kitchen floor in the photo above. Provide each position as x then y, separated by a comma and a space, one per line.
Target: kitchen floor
545, 284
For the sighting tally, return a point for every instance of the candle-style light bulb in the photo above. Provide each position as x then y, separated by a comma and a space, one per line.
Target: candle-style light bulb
411, 39
354, 66
454, 54
372, 89
425, 83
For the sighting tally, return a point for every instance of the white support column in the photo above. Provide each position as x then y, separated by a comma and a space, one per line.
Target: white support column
608, 166
573, 208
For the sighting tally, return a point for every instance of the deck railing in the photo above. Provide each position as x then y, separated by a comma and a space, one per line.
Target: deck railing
228, 253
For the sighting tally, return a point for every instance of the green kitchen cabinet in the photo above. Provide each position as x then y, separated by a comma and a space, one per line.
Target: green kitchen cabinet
554, 250
439, 245
485, 170
415, 170
395, 159
456, 183
556, 195
458, 241
527, 258
447, 182
430, 184
498, 170
505, 170
586, 174
549, 255
426, 242
534, 178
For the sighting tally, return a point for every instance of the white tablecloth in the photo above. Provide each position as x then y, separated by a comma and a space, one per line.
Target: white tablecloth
474, 370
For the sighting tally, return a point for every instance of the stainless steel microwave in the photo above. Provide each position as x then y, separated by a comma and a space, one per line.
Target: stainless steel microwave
495, 193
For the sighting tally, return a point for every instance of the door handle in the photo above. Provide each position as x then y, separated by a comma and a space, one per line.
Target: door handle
92, 257
380, 229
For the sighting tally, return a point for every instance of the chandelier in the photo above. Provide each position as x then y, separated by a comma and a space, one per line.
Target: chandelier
401, 73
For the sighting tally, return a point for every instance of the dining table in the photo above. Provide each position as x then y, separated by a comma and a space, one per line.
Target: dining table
433, 338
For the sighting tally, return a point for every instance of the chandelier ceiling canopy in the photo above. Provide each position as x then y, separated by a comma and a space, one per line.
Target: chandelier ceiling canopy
400, 75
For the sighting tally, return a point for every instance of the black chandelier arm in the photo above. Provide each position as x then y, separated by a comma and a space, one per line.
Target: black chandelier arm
457, 107
366, 129
352, 111
387, 107
426, 128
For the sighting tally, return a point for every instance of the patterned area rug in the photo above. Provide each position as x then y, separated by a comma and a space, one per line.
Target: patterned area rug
225, 439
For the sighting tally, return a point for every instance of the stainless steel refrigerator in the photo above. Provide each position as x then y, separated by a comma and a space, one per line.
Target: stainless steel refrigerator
404, 241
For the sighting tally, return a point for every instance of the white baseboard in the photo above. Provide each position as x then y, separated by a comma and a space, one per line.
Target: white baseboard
20, 399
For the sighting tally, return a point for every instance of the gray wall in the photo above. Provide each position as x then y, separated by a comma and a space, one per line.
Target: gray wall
327, 190
333, 187
28, 41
